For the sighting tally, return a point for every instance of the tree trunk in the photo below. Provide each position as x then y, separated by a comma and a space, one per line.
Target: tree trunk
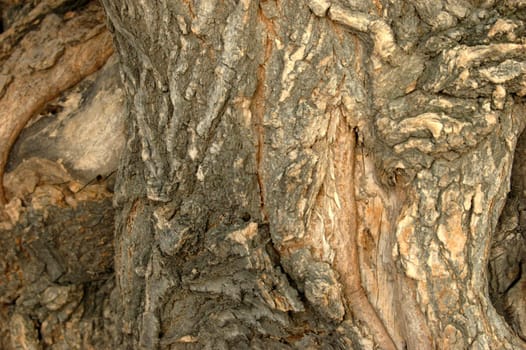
309, 174
315, 174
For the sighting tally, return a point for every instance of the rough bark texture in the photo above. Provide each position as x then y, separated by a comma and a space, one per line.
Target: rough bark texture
56, 230
297, 174
367, 145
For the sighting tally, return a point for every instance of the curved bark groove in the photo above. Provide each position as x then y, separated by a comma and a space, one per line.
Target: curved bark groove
33, 75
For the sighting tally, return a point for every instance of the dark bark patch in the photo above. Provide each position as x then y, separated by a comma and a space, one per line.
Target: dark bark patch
507, 281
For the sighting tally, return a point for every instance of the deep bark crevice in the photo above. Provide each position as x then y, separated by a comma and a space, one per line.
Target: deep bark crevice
507, 280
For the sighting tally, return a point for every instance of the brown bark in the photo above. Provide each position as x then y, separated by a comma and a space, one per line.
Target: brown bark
318, 174
57, 223
39, 73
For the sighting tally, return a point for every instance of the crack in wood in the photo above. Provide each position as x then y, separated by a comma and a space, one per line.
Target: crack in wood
257, 107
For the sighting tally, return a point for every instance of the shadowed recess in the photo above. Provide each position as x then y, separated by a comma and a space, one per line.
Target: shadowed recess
507, 281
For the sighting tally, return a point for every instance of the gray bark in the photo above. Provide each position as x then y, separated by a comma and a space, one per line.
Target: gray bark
315, 173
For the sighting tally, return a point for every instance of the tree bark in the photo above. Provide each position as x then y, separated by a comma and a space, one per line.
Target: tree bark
56, 228
316, 174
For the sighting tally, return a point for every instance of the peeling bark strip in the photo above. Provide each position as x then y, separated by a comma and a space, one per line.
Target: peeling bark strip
253, 229
36, 75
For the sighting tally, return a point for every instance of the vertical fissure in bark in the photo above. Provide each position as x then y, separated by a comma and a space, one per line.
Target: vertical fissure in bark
507, 281
345, 242
258, 108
